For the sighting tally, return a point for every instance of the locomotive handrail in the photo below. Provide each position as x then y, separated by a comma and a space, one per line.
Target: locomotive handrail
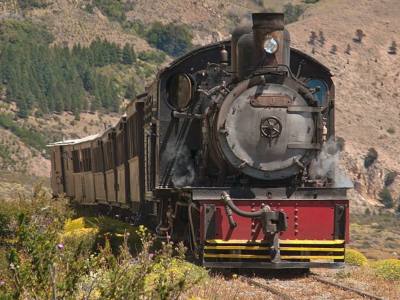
303, 90
278, 68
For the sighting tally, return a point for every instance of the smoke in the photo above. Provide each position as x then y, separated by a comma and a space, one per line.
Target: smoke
326, 165
183, 171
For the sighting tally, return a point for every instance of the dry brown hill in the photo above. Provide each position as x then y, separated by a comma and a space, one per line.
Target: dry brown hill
367, 82
71, 24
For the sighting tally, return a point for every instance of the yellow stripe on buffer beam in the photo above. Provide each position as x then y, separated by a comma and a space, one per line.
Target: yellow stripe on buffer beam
212, 255
284, 242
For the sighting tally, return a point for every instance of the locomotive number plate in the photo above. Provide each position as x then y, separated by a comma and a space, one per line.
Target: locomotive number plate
270, 101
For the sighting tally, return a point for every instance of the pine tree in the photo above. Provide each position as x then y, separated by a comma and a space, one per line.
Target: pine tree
128, 55
23, 109
348, 49
130, 92
359, 36
313, 37
37, 76
386, 197
393, 48
321, 38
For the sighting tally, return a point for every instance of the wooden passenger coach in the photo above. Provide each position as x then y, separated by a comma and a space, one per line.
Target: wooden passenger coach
103, 169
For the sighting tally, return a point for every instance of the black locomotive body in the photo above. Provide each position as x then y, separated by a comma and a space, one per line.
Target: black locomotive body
223, 152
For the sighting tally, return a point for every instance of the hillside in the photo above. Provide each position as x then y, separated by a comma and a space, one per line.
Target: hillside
366, 76
367, 83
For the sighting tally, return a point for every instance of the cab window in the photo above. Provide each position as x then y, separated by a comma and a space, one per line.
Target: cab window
321, 90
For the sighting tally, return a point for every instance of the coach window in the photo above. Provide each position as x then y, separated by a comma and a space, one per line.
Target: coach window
120, 148
133, 136
75, 161
87, 160
98, 160
109, 156
65, 159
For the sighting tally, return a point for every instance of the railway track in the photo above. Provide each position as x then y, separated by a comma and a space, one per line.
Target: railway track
346, 288
273, 290
344, 292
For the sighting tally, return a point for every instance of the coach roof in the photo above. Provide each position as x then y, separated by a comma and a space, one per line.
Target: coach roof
75, 141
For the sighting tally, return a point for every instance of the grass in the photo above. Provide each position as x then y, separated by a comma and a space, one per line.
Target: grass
376, 235
366, 279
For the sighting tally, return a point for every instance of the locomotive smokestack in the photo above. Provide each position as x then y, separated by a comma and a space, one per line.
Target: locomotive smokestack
267, 45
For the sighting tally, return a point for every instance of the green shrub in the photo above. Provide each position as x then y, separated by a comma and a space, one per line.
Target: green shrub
13, 31
292, 12
386, 197
102, 229
50, 257
24, 4
391, 130
5, 222
151, 276
156, 57
114, 9
388, 269
355, 258
76, 235
135, 26
310, 1
130, 91
174, 39
390, 177
370, 158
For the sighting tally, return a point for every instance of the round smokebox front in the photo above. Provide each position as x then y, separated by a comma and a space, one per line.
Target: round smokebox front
262, 135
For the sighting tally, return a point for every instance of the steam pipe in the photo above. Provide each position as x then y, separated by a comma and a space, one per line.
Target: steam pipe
232, 222
256, 214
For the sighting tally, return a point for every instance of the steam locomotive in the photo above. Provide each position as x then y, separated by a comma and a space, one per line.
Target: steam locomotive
224, 152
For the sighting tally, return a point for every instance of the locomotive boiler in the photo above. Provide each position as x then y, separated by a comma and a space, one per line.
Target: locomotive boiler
225, 152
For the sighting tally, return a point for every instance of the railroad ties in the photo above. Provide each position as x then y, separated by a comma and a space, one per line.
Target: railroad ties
284, 289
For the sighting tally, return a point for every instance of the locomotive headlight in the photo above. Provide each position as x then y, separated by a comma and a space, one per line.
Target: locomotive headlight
271, 46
